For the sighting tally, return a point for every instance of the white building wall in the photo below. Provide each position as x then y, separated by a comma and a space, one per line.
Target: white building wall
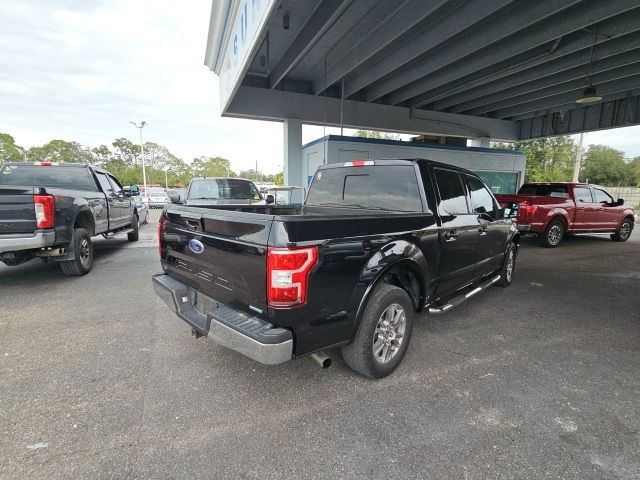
335, 149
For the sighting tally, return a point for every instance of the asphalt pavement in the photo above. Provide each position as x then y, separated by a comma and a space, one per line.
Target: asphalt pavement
98, 379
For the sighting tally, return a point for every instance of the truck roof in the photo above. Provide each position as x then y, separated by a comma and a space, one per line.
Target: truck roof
53, 164
395, 161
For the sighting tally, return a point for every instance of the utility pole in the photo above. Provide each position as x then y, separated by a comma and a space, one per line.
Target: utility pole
578, 159
166, 180
144, 171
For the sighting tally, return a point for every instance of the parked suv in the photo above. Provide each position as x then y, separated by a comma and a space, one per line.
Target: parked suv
374, 243
51, 210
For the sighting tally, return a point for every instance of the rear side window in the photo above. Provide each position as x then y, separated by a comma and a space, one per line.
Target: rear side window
72, 178
453, 200
582, 194
381, 187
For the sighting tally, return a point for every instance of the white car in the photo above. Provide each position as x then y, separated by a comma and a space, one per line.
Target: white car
156, 197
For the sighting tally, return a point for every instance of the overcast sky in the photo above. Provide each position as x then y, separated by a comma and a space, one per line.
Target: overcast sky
82, 69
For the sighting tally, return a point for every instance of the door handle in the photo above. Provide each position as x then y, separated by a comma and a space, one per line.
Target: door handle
451, 235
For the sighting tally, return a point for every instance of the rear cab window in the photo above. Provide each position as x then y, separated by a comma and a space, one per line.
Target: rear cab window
392, 188
582, 194
545, 190
72, 178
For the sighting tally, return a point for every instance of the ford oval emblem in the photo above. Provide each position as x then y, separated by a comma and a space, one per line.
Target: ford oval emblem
196, 246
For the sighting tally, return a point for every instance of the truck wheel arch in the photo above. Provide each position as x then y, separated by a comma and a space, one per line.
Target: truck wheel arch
410, 274
84, 219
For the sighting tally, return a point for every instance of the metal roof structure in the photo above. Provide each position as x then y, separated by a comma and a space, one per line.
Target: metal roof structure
502, 69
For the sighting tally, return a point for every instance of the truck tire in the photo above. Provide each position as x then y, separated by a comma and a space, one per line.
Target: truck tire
508, 266
135, 233
383, 336
81, 265
553, 234
624, 231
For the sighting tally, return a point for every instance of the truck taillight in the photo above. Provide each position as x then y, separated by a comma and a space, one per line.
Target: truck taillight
288, 275
45, 206
161, 227
528, 210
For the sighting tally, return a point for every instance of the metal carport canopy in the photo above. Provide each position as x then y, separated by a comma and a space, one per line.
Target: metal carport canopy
499, 69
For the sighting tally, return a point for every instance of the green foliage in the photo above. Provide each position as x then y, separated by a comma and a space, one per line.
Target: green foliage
60, 151
549, 159
633, 169
377, 135
9, 151
126, 151
278, 178
605, 166
211, 167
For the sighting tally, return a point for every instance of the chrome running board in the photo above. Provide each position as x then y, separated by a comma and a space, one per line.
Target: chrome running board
455, 301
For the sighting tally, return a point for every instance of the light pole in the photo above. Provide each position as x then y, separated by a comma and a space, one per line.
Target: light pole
166, 179
144, 171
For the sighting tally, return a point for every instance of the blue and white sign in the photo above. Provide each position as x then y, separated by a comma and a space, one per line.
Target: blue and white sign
248, 25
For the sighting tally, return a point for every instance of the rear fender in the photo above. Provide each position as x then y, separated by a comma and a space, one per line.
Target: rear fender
401, 263
558, 212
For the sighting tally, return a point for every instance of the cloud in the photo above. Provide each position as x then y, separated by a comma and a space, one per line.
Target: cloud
81, 70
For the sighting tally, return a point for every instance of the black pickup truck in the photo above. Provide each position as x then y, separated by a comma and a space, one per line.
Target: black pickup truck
51, 211
374, 243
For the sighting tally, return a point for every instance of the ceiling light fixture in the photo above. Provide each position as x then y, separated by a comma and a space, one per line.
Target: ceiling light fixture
590, 94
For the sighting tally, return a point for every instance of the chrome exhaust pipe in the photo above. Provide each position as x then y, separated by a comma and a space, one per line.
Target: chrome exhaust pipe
321, 359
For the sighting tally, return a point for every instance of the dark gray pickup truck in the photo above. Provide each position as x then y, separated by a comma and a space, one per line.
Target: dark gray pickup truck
51, 211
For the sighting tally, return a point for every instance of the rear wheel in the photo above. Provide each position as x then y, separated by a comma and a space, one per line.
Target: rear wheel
509, 264
553, 234
383, 335
624, 231
133, 235
81, 265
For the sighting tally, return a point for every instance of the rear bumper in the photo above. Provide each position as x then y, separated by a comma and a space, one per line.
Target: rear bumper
14, 243
225, 326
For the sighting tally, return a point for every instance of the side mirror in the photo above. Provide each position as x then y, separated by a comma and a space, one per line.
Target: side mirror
270, 199
619, 202
510, 210
134, 190
177, 198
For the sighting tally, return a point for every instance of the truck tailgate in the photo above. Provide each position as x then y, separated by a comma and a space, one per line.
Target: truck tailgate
17, 213
223, 254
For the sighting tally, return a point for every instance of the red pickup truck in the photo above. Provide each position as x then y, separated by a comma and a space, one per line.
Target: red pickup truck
553, 209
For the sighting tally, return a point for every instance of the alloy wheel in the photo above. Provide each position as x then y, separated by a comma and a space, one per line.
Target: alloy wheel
389, 333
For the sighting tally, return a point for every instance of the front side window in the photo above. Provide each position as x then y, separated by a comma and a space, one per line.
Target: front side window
481, 199
116, 184
601, 196
453, 200
582, 195
103, 180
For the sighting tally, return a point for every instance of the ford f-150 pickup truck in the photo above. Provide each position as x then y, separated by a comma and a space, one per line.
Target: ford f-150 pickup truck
374, 243
51, 211
551, 210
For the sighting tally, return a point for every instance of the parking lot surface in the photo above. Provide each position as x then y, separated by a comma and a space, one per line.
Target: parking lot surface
98, 379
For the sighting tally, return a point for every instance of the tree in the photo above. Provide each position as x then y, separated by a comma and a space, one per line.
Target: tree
102, 154
604, 165
633, 172
278, 178
126, 151
377, 135
211, 167
548, 159
60, 151
9, 151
